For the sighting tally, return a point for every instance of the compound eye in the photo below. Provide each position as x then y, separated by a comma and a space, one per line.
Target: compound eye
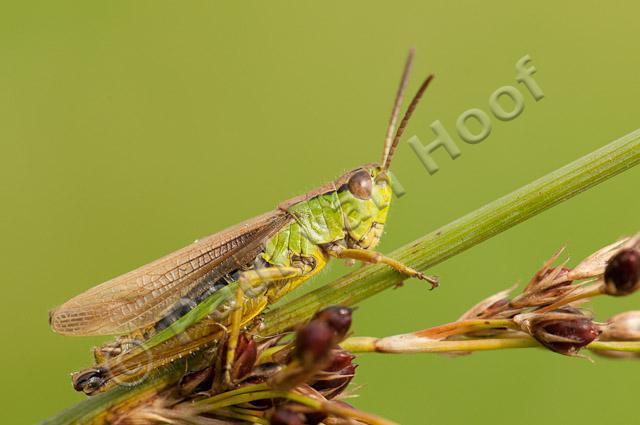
360, 185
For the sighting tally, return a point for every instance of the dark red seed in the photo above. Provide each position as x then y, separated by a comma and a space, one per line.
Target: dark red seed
339, 360
314, 418
339, 318
622, 275
284, 416
314, 342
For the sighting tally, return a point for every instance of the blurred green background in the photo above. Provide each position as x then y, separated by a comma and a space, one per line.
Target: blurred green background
129, 129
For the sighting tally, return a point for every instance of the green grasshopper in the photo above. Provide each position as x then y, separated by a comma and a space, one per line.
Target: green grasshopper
225, 280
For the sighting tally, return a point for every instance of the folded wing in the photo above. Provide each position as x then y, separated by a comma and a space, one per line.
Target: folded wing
139, 298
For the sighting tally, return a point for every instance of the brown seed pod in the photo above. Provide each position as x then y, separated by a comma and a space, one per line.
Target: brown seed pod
284, 416
314, 418
314, 342
338, 318
622, 274
566, 336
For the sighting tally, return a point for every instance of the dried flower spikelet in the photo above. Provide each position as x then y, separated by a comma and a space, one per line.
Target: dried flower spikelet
622, 327
595, 264
548, 275
546, 287
489, 306
556, 276
335, 377
622, 274
540, 296
564, 332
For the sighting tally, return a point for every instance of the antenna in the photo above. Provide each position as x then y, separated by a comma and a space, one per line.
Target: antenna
396, 106
403, 124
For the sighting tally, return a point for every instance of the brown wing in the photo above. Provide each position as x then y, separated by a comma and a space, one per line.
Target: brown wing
140, 297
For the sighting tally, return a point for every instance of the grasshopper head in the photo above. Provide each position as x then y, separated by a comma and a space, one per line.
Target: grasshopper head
365, 195
369, 183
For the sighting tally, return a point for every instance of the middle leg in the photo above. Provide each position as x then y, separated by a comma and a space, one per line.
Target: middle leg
374, 257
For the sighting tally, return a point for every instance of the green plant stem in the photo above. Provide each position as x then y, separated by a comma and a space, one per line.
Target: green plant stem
422, 254
228, 394
625, 346
366, 344
465, 232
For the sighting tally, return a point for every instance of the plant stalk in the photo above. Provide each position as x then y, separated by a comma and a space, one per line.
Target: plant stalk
392, 344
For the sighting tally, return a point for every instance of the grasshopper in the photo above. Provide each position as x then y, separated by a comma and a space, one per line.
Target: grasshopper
220, 283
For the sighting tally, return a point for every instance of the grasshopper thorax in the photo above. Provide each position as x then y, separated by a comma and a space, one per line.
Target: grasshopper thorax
351, 210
